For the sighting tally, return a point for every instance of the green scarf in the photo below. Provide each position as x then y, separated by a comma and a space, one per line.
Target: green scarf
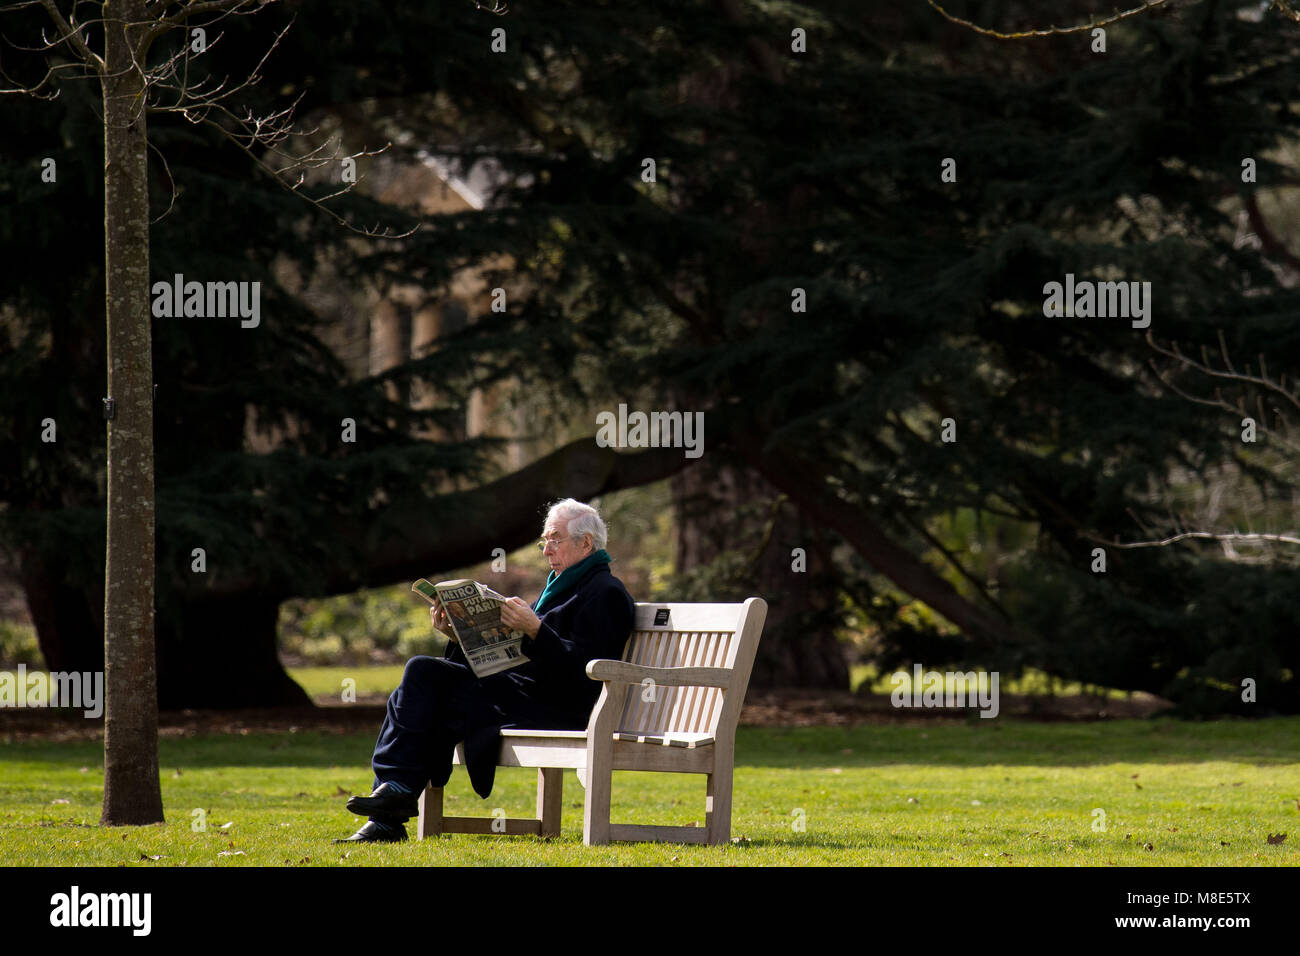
558, 584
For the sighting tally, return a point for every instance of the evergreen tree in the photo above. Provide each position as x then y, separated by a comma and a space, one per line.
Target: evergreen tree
804, 268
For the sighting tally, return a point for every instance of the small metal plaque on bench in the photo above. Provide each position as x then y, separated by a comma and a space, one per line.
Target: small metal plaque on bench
661, 616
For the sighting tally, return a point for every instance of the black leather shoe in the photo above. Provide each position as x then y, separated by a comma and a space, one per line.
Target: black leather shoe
372, 832
386, 802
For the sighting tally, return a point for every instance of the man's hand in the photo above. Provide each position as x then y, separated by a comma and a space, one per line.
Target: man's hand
441, 622
516, 613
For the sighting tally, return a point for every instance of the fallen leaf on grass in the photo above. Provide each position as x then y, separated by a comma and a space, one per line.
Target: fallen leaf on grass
1275, 839
232, 853
1224, 843
1138, 785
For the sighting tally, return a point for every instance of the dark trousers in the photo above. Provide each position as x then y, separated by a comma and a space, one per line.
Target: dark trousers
428, 714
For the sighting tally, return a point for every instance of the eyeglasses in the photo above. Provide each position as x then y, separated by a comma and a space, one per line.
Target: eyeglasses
551, 542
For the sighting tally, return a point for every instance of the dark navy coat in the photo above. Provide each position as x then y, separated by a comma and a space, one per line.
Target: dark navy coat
552, 690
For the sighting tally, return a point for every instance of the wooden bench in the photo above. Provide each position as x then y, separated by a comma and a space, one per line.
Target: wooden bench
671, 705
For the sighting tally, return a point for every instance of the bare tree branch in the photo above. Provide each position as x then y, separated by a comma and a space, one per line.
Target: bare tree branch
171, 199
34, 90
224, 8
1228, 373
1230, 536
1224, 373
73, 36
295, 189
261, 138
1050, 31
200, 7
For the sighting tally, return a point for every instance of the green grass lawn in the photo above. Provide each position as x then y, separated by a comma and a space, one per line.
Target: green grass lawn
1000, 792
325, 684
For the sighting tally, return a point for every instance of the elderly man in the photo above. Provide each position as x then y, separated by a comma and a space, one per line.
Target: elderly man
583, 613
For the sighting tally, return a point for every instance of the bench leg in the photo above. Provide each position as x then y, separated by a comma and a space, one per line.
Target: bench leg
550, 799
717, 802
430, 821
595, 814
600, 762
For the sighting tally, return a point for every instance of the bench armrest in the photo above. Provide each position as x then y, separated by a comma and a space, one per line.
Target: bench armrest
622, 672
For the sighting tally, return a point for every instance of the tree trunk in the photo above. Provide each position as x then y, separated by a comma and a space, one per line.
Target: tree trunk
817, 499
221, 654
799, 647
66, 609
132, 794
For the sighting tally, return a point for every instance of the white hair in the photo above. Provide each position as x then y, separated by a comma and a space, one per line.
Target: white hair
582, 519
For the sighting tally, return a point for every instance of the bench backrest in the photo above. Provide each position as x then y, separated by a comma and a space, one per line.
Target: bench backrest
692, 635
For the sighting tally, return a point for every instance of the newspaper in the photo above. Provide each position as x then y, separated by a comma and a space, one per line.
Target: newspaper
475, 613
